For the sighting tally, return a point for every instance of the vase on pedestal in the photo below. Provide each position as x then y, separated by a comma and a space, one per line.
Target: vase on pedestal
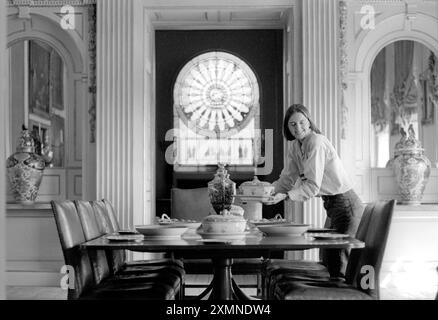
25, 170
221, 190
411, 168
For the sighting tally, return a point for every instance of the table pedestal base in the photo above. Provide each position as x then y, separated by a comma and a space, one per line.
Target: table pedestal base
223, 286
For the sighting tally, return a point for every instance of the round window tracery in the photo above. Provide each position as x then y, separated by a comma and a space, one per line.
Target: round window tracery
216, 92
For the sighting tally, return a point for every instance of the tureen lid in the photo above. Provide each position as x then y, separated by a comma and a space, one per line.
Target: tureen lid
223, 218
255, 183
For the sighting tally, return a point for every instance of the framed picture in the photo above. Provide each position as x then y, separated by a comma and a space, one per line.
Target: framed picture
39, 81
428, 106
56, 81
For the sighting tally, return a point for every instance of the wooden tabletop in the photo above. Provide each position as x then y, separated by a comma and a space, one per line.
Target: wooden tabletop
252, 242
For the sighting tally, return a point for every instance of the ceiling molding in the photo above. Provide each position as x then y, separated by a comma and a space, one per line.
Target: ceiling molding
218, 18
49, 3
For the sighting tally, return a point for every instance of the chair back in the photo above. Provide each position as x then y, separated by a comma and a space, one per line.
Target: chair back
109, 224
71, 236
102, 217
364, 264
111, 214
436, 297
191, 204
360, 235
92, 229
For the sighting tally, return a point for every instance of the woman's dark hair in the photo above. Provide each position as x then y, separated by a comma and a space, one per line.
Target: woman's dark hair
290, 111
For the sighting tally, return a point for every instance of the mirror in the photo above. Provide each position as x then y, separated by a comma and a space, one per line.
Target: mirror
404, 98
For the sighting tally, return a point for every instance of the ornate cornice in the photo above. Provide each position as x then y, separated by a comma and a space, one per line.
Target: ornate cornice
49, 3
343, 64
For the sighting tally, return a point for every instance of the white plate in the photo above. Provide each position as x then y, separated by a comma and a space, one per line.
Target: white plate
125, 238
330, 236
320, 230
161, 230
222, 236
284, 230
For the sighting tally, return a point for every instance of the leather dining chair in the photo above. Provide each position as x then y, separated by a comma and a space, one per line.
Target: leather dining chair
87, 284
278, 270
436, 297
194, 204
94, 222
362, 275
117, 258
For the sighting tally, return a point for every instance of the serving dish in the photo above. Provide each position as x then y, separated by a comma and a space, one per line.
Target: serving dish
166, 220
223, 224
155, 230
256, 188
284, 230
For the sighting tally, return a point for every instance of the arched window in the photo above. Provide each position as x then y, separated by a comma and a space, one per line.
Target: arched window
216, 111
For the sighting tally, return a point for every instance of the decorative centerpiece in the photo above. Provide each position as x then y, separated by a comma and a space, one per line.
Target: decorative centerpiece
411, 168
25, 170
221, 190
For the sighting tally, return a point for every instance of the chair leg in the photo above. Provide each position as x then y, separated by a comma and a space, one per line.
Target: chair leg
259, 285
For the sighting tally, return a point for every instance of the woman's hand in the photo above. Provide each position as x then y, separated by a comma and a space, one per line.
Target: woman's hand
276, 199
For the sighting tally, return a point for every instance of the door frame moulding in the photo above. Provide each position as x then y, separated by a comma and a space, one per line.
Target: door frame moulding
43, 24
287, 8
367, 45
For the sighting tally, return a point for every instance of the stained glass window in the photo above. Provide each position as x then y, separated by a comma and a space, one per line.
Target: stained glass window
216, 111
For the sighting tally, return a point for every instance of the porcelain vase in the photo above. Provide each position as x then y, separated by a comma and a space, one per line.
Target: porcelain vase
412, 170
25, 170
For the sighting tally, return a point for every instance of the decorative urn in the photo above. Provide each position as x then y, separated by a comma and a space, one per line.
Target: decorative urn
411, 168
221, 190
25, 170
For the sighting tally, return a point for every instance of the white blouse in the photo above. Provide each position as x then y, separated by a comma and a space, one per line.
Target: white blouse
313, 168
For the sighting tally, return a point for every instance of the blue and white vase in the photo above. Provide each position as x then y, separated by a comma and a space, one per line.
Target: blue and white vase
412, 170
25, 170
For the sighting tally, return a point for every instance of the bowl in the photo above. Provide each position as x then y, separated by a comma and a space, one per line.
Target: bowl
284, 230
223, 224
166, 220
154, 230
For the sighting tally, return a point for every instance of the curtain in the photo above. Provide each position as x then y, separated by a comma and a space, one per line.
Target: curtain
380, 113
404, 99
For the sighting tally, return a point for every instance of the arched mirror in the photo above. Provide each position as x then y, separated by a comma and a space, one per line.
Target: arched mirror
404, 99
37, 78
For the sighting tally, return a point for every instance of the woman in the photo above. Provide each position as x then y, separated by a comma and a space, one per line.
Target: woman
313, 169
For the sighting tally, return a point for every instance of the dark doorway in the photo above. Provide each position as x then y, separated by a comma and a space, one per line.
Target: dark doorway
263, 51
